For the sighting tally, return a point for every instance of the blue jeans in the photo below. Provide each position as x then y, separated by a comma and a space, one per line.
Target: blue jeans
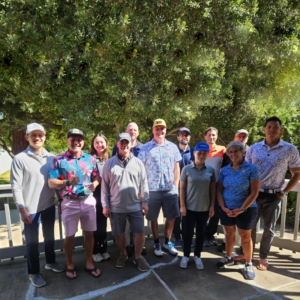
47, 216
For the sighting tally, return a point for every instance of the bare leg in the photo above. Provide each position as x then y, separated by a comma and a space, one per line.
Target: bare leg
169, 224
246, 244
69, 246
121, 242
89, 246
154, 229
139, 241
230, 239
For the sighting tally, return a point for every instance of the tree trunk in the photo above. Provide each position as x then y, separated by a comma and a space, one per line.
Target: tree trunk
19, 143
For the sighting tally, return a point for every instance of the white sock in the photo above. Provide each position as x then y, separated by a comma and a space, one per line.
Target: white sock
249, 264
229, 257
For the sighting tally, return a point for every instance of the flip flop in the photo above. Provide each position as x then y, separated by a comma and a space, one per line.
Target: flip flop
90, 271
264, 264
239, 258
70, 271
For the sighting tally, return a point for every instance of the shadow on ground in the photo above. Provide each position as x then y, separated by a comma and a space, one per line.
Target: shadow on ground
165, 280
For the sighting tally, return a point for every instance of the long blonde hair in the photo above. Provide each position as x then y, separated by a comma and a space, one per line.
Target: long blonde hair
93, 151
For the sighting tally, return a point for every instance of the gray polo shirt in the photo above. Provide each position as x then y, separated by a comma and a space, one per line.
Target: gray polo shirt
197, 197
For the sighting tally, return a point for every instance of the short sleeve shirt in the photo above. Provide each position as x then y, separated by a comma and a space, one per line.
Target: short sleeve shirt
273, 162
236, 184
197, 196
215, 157
159, 161
187, 157
64, 164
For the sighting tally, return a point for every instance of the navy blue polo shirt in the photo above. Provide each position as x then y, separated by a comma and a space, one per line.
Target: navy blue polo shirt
187, 157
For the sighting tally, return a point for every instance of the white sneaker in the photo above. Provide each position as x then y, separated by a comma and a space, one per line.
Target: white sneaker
97, 257
105, 256
198, 262
170, 248
157, 250
184, 262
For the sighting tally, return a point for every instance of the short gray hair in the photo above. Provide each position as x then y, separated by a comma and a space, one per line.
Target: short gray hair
239, 145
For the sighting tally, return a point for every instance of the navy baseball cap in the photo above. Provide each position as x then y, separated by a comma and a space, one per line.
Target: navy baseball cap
184, 129
202, 146
75, 131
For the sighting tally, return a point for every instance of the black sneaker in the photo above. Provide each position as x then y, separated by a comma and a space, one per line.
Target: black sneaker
206, 243
130, 250
225, 262
241, 248
221, 247
212, 241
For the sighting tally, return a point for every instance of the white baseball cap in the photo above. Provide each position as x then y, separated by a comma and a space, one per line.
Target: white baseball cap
35, 126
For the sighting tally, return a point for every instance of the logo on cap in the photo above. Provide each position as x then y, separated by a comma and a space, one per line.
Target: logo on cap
75, 131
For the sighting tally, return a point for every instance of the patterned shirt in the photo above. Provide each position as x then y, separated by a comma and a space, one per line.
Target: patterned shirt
236, 184
64, 164
273, 162
160, 160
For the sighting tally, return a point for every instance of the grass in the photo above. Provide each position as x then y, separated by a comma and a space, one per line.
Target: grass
5, 178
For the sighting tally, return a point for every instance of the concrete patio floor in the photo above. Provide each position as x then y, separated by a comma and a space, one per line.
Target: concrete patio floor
165, 279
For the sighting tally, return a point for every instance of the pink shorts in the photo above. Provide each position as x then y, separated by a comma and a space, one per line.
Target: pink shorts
75, 210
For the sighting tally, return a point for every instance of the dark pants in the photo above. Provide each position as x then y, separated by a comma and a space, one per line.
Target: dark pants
100, 236
47, 216
176, 229
212, 226
192, 217
268, 210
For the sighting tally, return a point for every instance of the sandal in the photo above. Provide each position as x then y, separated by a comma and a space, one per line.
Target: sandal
90, 271
263, 264
71, 271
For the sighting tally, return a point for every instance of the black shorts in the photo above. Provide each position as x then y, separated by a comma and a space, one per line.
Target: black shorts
243, 221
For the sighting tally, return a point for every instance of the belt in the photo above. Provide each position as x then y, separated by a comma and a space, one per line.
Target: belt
268, 191
77, 198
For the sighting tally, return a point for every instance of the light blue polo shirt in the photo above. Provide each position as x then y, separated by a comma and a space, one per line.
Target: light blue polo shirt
237, 184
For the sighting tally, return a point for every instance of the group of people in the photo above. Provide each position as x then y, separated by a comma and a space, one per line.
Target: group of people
194, 187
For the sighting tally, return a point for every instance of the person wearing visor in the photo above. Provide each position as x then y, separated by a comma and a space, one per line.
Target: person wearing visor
242, 136
237, 189
124, 180
35, 201
197, 201
75, 173
187, 154
161, 159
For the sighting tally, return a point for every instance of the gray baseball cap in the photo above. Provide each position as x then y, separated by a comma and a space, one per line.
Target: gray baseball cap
34, 126
242, 131
124, 136
75, 131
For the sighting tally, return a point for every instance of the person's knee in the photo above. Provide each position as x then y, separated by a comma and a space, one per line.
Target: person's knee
170, 221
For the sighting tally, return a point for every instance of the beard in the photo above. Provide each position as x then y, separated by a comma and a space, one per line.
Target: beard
184, 143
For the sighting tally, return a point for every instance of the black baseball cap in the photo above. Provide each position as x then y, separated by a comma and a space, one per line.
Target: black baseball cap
75, 131
184, 129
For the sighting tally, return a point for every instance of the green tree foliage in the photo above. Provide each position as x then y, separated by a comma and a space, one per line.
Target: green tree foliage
99, 64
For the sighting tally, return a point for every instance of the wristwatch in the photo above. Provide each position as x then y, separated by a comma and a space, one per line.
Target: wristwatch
67, 182
243, 209
283, 193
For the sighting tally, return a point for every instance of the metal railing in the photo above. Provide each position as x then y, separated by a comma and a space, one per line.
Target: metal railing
14, 251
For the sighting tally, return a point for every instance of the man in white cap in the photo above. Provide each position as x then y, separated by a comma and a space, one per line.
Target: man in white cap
35, 201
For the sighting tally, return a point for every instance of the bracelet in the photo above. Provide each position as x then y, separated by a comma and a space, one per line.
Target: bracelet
60, 200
